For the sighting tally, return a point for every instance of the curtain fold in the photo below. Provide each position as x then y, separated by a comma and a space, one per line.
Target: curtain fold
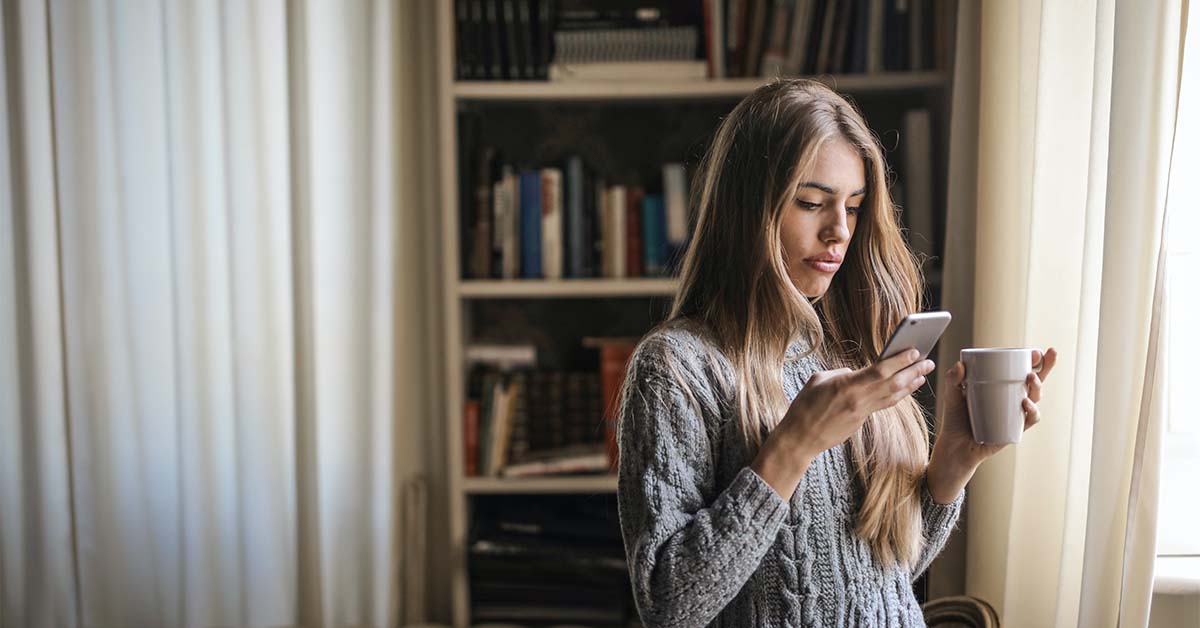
201, 319
1077, 107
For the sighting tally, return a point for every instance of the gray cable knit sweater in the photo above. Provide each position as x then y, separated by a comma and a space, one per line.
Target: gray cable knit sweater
710, 543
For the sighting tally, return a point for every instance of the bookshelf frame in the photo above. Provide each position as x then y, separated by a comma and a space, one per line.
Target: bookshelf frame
459, 292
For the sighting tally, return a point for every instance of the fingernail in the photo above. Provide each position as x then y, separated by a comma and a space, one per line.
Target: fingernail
914, 354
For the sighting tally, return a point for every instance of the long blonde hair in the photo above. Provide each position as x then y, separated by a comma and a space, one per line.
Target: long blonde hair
735, 284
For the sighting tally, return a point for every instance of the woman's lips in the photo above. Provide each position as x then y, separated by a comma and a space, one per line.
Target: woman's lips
824, 266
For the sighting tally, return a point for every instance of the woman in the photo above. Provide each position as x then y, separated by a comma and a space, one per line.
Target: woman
773, 472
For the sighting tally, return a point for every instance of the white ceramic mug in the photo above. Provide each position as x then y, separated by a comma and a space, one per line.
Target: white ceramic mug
995, 387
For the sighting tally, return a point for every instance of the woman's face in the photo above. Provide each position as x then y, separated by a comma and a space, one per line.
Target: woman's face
820, 219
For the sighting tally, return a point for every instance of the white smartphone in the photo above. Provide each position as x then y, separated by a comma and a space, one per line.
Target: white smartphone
920, 331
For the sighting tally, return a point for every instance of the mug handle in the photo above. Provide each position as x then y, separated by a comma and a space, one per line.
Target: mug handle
1038, 369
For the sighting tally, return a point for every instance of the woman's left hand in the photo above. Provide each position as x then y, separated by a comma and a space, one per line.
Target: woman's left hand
956, 455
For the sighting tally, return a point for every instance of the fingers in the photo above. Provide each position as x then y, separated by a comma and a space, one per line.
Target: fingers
884, 369
1032, 414
1034, 384
906, 382
822, 376
1049, 359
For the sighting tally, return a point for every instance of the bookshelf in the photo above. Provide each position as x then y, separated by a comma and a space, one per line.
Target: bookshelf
518, 91
561, 289
530, 486
464, 298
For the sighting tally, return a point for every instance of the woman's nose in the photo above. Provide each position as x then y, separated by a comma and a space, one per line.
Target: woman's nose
836, 230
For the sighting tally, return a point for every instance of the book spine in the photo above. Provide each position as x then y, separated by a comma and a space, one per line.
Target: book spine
531, 224
652, 235
614, 360
616, 213
575, 219
552, 244
471, 437
633, 231
776, 53
479, 39
462, 20
529, 64
675, 193
735, 38
597, 220
512, 39
545, 26
513, 193
495, 36
482, 245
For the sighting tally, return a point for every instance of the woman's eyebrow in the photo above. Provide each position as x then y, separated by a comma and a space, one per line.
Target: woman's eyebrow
828, 190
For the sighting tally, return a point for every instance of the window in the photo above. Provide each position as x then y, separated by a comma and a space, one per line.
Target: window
1179, 508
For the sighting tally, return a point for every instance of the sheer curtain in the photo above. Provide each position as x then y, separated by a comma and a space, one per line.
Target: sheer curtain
210, 364
1077, 110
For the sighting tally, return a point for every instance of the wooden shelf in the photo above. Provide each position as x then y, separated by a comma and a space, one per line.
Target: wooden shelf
563, 484
565, 288
718, 89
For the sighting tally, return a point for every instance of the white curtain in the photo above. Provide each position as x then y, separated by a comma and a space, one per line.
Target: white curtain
1077, 110
210, 391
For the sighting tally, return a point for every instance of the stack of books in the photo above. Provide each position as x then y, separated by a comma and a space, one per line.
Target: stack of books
628, 40
549, 559
769, 38
696, 39
520, 421
565, 221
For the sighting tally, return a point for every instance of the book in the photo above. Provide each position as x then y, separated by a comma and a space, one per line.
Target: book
775, 54
596, 219
754, 37
552, 229
471, 437
495, 37
615, 235
679, 70
479, 43
797, 48
615, 354
675, 196
512, 40
828, 32
566, 460
508, 196
503, 405
735, 41
462, 21
815, 29
490, 392
895, 35
501, 357
653, 235
526, 19
633, 231
481, 247
531, 224
875, 16
574, 218
714, 33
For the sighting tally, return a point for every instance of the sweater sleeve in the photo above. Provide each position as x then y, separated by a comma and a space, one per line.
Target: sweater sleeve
938, 521
689, 550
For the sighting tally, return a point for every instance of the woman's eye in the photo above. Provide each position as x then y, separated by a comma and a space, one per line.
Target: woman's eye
853, 211
807, 205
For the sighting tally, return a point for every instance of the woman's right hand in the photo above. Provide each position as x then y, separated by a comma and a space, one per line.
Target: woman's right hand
832, 407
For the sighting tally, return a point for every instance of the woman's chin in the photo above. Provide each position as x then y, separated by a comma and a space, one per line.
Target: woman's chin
811, 287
